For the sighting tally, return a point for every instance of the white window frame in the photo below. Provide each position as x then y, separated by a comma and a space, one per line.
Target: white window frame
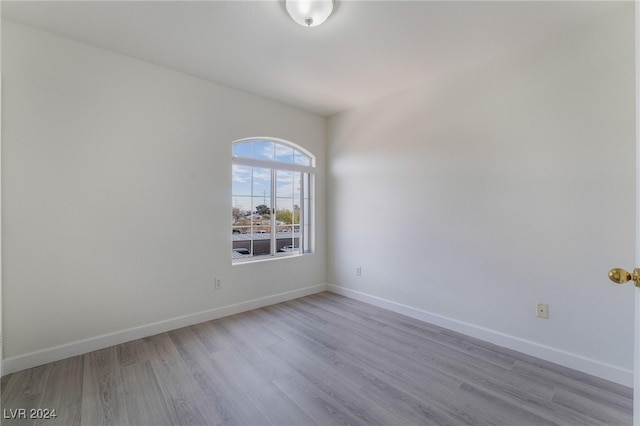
305, 239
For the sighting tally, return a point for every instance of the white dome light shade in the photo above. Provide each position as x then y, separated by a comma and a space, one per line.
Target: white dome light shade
309, 13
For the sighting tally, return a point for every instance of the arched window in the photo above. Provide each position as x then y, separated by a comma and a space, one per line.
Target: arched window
272, 196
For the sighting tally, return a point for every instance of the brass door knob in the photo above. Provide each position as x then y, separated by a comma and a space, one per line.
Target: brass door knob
621, 276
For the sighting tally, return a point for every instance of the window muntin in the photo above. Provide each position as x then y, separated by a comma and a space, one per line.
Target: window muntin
272, 199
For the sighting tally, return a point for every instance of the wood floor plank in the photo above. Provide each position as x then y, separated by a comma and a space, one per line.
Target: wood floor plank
565, 375
521, 391
249, 329
369, 366
354, 358
345, 390
127, 353
422, 348
605, 393
222, 395
207, 332
103, 392
317, 404
604, 413
496, 411
25, 383
387, 323
402, 405
3, 382
318, 360
63, 392
601, 396
486, 375
196, 355
237, 370
277, 407
144, 401
408, 409
23, 390
179, 389
378, 355
11, 410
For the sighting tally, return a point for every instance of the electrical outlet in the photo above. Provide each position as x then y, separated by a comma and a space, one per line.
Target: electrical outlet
217, 283
359, 271
542, 310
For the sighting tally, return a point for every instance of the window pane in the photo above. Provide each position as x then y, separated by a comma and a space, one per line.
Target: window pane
241, 220
241, 249
243, 149
241, 181
286, 241
263, 150
261, 211
296, 214
284, 211
285, 219
300, 158
262, 183
297, 186
284, 154
241, 231
284, 183
262, 245
242, 209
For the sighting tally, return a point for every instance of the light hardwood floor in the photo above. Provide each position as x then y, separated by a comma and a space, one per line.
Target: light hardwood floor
319, 360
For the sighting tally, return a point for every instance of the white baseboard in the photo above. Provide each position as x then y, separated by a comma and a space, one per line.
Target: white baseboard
56, 353
547, 353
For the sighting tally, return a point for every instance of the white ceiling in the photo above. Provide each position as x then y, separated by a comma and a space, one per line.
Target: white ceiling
365, 50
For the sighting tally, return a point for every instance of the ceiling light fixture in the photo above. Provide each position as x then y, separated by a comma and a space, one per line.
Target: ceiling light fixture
309, 13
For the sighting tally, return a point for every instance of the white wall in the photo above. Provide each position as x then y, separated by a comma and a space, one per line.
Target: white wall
116, 197
470, 198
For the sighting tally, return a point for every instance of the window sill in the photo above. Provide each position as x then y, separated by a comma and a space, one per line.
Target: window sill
269, 259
